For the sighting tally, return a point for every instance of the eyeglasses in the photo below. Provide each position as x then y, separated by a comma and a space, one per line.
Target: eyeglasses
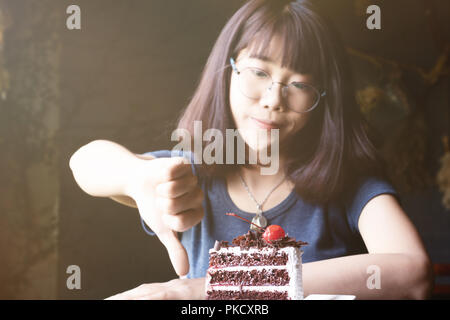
300, 97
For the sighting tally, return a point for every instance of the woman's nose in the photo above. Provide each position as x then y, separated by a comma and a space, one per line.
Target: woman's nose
273, 97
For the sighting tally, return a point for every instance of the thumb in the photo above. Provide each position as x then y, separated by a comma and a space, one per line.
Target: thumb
177, 253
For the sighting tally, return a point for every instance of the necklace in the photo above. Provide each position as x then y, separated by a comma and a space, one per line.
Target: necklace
259, 219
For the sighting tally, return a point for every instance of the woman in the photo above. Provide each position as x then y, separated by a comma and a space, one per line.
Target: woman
279, 67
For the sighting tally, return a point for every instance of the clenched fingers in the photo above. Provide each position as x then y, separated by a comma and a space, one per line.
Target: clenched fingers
184, 220
171, 168
190, 200
176, 188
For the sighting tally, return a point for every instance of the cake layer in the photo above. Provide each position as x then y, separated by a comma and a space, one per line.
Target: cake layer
218, 287
247, 259
247, 295
255, 277
235, 256
248, 268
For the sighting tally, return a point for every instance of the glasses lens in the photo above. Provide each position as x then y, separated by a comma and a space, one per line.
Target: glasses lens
302, 97
254, 82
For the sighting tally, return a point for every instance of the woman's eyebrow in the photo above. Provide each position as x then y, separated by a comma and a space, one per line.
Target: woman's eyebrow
261, 57
267, 59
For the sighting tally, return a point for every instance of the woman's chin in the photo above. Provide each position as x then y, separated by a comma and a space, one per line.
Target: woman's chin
258, 148
260, 139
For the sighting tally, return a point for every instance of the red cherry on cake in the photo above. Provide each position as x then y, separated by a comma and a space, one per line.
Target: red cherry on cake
273, 232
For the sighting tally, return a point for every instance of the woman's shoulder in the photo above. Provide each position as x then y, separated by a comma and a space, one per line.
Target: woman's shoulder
372, 184
367, 187
361, 191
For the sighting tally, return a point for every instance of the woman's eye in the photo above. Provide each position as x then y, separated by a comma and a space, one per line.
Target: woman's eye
300, 85
259, 73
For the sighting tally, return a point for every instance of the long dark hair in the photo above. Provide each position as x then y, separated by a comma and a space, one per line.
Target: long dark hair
333, 150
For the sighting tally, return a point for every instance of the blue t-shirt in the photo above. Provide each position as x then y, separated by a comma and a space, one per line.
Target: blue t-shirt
331, 231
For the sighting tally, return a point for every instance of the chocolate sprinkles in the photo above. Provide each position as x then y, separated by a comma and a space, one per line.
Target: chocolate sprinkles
254, 239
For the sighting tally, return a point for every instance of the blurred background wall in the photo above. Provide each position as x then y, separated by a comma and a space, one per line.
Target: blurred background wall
126, 75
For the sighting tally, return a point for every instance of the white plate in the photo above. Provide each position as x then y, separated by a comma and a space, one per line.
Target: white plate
330, 297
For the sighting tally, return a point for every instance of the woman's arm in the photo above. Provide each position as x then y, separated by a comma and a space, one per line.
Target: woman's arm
103, 168
397, 258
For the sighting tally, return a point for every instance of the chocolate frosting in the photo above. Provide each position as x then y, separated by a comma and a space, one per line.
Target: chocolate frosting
254, 239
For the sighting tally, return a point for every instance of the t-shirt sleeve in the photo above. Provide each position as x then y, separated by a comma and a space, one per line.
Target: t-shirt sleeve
166, 154
367, 190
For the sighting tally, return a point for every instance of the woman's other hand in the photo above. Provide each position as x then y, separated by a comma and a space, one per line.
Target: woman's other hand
176, 289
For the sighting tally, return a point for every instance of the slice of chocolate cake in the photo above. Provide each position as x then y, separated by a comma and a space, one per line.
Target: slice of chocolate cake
256, 266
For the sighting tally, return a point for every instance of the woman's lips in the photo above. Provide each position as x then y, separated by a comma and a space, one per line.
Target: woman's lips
265, 124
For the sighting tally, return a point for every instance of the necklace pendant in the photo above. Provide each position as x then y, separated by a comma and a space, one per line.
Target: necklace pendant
258, 220
259, 210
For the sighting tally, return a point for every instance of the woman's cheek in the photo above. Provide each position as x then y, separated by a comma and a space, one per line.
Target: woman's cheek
299, 123
238, 111
235, 100
294, 126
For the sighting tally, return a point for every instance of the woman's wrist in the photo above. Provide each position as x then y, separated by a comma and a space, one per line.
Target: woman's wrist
135, 177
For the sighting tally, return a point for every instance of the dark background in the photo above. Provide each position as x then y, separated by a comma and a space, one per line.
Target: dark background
125, 76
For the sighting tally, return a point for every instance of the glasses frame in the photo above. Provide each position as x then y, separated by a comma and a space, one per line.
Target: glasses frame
321, 94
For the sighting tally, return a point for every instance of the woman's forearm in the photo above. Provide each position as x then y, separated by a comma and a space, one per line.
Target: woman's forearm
370, 276
103, 168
